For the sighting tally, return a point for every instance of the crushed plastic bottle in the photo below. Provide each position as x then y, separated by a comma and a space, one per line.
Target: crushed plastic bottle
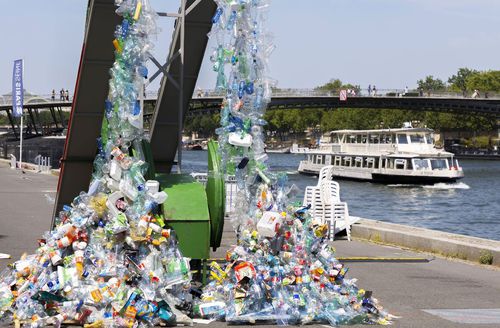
283, 268
110, 260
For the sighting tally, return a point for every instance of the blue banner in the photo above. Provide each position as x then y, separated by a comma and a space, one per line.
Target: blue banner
17, 88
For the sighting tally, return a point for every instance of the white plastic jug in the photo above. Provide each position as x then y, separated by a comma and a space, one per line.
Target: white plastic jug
269, 224
235, 139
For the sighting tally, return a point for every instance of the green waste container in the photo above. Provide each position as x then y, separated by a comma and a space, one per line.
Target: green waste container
216, 194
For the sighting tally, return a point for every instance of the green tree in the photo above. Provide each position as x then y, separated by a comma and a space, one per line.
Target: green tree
485, 81
394, 118
458, 82
430, 84
335, 85
332, 85
3, 119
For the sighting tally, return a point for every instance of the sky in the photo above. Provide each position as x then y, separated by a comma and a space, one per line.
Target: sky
387, 43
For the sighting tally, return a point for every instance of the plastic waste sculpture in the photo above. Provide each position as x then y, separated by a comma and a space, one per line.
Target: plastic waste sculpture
283, 269
110, 260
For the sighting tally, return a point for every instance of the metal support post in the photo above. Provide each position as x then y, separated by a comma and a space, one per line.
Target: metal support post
53, 114
180, 55
32, 118
181, 84
61, 117
11, 120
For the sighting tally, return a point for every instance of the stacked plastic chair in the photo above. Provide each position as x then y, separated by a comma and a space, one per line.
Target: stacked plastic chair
325, 202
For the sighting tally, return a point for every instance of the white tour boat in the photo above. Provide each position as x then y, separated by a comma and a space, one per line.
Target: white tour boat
396, 156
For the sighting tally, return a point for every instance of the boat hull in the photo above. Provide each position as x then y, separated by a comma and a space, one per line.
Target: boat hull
405, 179
384, 178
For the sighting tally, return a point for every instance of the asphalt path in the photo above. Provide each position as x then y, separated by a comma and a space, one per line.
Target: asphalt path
460, 291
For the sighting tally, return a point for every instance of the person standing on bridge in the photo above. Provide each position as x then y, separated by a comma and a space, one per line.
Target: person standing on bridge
61, 94
374, 91
66, 94
53, 97
369, 89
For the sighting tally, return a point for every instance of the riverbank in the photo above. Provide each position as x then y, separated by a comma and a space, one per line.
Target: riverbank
476, 250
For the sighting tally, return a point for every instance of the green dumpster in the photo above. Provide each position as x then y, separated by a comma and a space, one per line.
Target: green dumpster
216, 194
186, 211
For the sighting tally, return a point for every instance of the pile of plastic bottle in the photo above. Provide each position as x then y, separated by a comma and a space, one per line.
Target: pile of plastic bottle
283, 268
285, 271
110, 260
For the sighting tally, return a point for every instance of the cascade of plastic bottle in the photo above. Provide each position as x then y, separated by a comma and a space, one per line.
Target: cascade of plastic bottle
110, 260
283, 268
240, 60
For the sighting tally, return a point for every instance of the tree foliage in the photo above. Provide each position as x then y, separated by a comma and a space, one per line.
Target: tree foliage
283, 123
459, 81
430, 84
334, 85
484, 81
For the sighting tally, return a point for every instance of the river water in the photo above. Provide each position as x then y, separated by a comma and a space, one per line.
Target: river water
469, 207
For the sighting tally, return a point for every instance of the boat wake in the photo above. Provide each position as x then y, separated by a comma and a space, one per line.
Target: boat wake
442, 185
437, 186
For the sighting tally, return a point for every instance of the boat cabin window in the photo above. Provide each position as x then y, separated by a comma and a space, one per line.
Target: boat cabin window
429, 139
421, 164
319, 159
371, 163
386, 139
358, 162
347, 161
439, 164
374, 139
402, 139
417, 138
400, 163
338, 161
351, 139
334, 138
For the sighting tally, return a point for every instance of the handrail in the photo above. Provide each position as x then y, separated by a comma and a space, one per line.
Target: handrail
289, 93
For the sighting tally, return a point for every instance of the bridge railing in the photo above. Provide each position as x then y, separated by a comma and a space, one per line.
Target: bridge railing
34, 100
285, 93
292, 92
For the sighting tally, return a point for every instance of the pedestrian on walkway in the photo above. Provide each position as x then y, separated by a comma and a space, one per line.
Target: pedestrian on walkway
66, 95
476, 94
53, 97
61, 94
374, 90
369, 89
406, 91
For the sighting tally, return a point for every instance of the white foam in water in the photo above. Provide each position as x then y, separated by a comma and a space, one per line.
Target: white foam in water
442, 185
403, 186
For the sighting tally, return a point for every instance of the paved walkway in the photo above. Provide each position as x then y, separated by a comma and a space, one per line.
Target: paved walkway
410, 290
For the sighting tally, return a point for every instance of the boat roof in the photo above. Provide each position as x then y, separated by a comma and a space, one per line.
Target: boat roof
384, 130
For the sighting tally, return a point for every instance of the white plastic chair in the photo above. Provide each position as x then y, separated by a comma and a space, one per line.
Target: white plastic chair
337, 218
325, 173
326, 206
